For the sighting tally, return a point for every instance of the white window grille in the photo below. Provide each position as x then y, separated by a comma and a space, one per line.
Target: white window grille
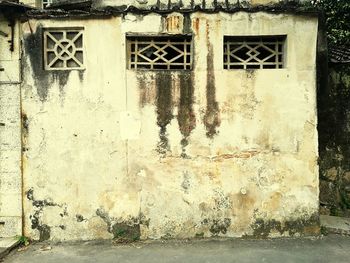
260, 52
63, 49
163, 52
45, 3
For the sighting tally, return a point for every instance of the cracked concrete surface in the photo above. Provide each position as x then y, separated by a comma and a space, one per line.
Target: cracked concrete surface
333, 248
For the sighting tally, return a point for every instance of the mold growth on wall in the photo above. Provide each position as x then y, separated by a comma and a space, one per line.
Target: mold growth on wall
212, 114
36, 218
303, 226
186, 116
43, 79
25, 128
144, 90
220, 226
80, 218
123, 230
217, 226
164, 108
212, 194
159, 88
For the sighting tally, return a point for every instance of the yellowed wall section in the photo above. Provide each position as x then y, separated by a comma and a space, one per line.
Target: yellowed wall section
184, 3
149, 3
93, 163
35, 3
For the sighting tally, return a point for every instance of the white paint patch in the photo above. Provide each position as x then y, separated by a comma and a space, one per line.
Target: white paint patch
130, 126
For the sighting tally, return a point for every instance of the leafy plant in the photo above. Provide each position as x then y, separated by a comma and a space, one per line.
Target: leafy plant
337, 14
120, 232
135, 237
324, 231
23, 240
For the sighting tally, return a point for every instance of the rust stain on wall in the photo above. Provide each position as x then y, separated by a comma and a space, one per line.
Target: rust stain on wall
243, 155
195, 26
173, 23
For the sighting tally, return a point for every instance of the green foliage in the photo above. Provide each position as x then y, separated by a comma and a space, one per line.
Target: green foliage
135, 237
125, 234
22, 240
120, 232
324, 231
337, 13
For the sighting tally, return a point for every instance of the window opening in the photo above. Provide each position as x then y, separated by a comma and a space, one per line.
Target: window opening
45, 3
164, 52
254, 52
63, 49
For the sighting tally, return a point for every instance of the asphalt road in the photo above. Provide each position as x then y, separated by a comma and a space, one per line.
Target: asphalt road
324, 249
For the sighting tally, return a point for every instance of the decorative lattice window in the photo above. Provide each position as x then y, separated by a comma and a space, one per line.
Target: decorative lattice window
63, 49
263, 52
45, 3
164, 52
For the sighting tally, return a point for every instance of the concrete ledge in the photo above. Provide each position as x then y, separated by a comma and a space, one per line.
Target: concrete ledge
6, 245
336, 225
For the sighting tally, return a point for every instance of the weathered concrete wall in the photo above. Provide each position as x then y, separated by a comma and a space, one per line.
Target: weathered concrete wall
29, 2
185, 4
10, 133
208, 152
34, 3
335, 143
148, 4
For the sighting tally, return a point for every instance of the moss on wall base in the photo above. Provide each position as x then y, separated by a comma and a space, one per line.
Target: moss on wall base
299, 227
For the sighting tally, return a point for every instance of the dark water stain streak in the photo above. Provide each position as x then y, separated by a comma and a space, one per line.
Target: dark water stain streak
212, 114
164, 108
186, 116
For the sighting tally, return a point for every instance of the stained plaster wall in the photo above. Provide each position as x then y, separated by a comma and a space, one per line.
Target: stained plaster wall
10, 132
186, 4
166, 3
34, 3
207, 152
